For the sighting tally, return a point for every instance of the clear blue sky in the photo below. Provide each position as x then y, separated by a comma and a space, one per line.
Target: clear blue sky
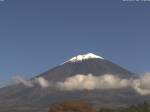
36, 35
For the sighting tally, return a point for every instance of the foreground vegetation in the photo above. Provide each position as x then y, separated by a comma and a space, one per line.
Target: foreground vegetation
81, 106
72, 106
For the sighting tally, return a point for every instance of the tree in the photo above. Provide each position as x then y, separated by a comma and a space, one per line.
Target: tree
72, 106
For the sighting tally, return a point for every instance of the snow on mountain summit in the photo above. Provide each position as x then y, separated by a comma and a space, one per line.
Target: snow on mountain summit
85, 57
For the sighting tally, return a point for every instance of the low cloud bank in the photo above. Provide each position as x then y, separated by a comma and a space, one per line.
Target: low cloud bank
142, 84
42, 82
18, 79
37, 81
90, 82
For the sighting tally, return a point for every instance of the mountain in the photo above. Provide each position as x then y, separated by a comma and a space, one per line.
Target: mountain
85, 64
21, 98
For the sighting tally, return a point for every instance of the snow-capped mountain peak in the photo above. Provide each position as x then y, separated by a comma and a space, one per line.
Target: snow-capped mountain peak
85, 57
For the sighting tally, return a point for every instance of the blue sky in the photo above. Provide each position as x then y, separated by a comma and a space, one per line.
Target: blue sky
36, 35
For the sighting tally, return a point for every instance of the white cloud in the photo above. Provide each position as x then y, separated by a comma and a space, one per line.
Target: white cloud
42, 82
19, 79
90, 82
108, 81
142, 84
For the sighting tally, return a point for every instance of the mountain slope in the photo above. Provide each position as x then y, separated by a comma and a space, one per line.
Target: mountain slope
95, 66
18, 97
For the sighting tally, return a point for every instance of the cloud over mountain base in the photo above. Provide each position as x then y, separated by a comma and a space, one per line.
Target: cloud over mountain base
90, 82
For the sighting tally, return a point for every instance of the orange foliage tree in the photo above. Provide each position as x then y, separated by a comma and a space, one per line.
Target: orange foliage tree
72, 106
